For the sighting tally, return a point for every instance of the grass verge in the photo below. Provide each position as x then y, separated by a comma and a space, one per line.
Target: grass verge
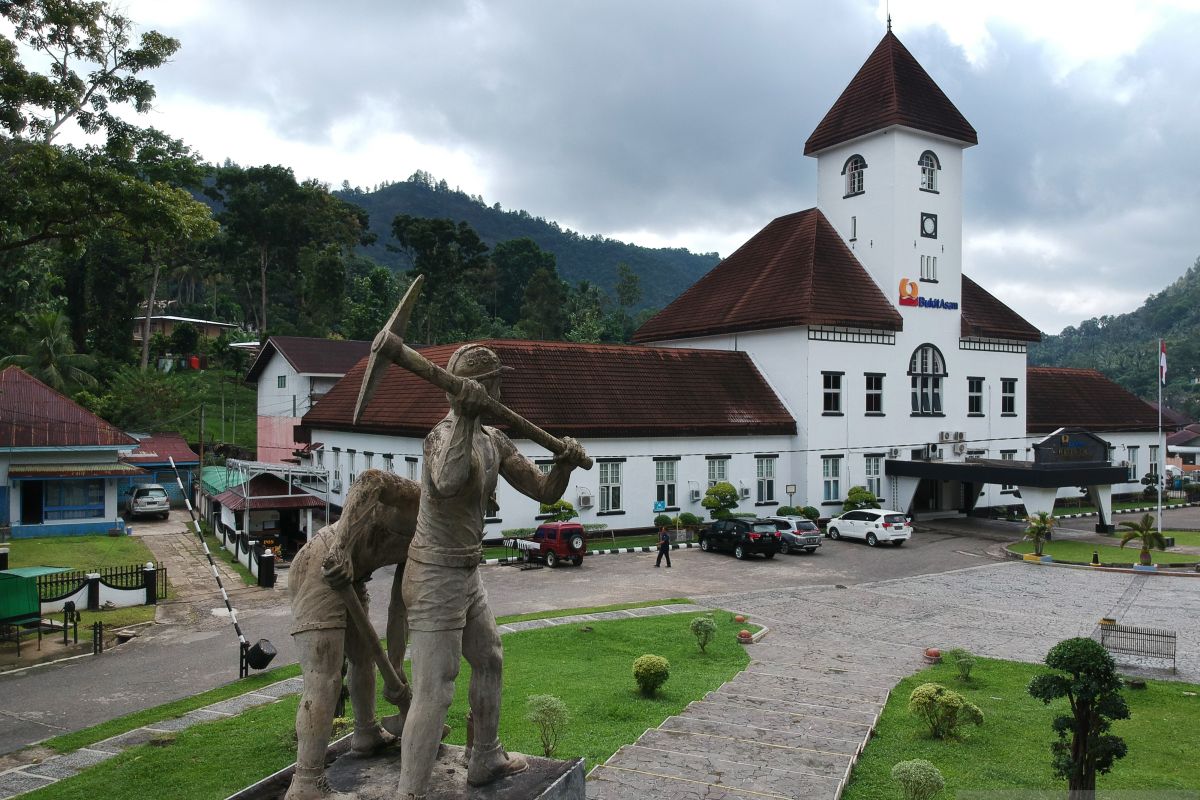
606, 713
219, 552
78, 552
1012, 749
1081, 553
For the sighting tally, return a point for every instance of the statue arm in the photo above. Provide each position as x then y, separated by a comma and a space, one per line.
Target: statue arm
448, 456
526, 478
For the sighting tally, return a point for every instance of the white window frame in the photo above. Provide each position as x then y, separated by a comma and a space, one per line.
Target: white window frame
929, 171
975, 405
927, 368
929, 268
854, 168
831, 393
765, 476
281, 382
853, 228
389, 463
831, 478
1008, 397
665, 473
1132, 454
718, 471
610, 486
1008, 455
545, 468
873, 392
412, 469
1154, 468
873, 472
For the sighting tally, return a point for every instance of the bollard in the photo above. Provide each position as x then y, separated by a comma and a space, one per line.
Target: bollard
1096, 557
266, 569
97, 638
150, 581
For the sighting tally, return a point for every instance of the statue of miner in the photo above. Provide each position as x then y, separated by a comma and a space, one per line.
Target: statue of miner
375, 530
448, 614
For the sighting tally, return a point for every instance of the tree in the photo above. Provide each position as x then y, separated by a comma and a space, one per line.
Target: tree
49, 353
543, 312
1143, 530
1087, 677
859, 497
1038, 530
457, 272
560, 510
372, 293
515, 262
629, 286
720, 498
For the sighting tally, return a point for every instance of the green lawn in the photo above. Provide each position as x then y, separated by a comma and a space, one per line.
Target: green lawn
1081, 553
1188, 538
1012, 749
1124, 505
78, 552
216, 759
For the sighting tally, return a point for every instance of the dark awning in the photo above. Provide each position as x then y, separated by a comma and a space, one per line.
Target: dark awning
1015, 473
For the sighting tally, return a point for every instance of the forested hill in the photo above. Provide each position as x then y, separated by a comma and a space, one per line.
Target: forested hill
664, 272
1124, 347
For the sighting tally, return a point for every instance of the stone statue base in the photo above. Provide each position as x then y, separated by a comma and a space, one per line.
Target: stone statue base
375, 778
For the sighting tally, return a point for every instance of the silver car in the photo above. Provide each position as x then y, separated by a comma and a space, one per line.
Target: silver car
797, 534
146, 499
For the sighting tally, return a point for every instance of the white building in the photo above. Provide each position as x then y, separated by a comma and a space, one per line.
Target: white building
292, 373
867, 356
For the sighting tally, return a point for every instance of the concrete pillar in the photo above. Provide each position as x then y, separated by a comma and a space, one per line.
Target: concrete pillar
308, 529
904, 488
1101, 498
93, 591
1038, 498
150, 581
266, 568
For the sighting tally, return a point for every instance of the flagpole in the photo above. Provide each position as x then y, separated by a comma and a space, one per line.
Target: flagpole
1162, 451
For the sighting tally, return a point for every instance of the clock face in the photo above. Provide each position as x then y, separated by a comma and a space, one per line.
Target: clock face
929, 225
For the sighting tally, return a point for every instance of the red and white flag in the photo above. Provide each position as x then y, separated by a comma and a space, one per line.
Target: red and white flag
1162, 362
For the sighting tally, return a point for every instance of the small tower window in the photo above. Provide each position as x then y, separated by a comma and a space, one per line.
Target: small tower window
930, 166
855, 166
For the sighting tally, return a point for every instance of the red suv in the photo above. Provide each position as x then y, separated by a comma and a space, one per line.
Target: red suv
555, 542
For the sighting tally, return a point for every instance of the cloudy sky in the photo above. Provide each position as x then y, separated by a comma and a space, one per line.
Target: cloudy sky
682, 122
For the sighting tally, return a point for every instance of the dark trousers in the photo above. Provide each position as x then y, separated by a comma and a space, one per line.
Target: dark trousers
663, 550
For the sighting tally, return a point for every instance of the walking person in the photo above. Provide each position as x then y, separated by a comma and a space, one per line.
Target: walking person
664, 548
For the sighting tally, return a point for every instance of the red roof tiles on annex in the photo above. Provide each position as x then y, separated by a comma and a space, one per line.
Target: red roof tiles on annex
34, 415
584, 390
157, 448
891, 88
1060, 397
267, 493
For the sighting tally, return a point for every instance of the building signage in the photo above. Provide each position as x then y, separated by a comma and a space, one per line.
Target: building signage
910, 295
1072, 446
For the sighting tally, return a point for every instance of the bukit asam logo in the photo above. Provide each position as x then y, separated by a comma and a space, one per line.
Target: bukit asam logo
910, 295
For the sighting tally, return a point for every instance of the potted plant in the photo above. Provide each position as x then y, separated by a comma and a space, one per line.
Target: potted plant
1038, 531
1143, 530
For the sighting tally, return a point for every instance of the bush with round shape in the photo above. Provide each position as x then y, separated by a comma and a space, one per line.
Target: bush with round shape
963, 661
662, 521
550, 716
811, 513
650, 672
703, 628
944, 710
688, 518
859, 497
787, 511
918, 779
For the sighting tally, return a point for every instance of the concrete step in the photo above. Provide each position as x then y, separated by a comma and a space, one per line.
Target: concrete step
750, 750
725, 694
766, 685
819, 750
709, 776
825, 734
887, 658
862, 677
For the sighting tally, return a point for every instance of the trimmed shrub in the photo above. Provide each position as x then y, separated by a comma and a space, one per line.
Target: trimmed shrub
811, 513
787, 511
859, 497
918, 779
662, 521
550, 716
688, 518
650, 672
963, 661
944, 710
703, 628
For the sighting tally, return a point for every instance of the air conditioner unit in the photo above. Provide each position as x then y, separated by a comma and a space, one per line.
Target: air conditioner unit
946, 436
586, 500
932, 451
959, 436
894, 452
335, 485
959, 448
695, 495
745, 491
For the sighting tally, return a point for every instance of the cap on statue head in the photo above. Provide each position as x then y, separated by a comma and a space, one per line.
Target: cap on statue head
476, 362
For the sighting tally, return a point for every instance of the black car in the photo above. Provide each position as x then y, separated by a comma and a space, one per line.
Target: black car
745, 537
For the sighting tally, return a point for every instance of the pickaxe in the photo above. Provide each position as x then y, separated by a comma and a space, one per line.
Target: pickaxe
389, 348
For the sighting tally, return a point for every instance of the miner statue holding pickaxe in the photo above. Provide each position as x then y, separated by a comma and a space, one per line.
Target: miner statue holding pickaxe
447, 606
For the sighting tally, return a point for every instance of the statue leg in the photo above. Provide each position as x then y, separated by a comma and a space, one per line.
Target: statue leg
435, 662
397, 640
485, 654
321, 665
369, 738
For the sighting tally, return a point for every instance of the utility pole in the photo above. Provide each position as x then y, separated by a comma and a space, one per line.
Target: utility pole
222, 408
201, 435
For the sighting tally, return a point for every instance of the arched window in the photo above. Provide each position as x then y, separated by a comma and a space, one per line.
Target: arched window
929, 171
927, 368
853, 170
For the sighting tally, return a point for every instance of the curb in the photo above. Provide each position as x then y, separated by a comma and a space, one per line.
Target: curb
1173, 570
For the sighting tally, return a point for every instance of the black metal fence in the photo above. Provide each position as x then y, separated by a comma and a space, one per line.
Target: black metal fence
1139, 642
132, 576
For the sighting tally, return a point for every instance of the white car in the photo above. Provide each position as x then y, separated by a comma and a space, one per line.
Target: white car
875, 525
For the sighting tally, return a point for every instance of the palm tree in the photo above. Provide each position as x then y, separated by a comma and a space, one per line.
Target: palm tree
1040, 526
1144, 529
50, 353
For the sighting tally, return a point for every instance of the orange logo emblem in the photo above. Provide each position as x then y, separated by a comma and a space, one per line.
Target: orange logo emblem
908, 292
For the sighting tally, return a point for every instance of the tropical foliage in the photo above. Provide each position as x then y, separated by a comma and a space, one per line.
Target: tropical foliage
1038, 529
1144, 532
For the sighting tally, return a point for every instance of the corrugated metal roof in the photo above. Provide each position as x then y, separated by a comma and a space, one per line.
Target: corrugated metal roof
157, 448
215, 480
71, 470
267, 492
34, 415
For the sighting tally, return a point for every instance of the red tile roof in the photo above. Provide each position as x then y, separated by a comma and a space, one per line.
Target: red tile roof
890, 88
795, 271
34, 415
582, 390
985, 316
159, 447
266, 492
1060, 397
310, 356
1184, 437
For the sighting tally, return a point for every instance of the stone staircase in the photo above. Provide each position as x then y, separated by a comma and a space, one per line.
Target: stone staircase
790, 726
